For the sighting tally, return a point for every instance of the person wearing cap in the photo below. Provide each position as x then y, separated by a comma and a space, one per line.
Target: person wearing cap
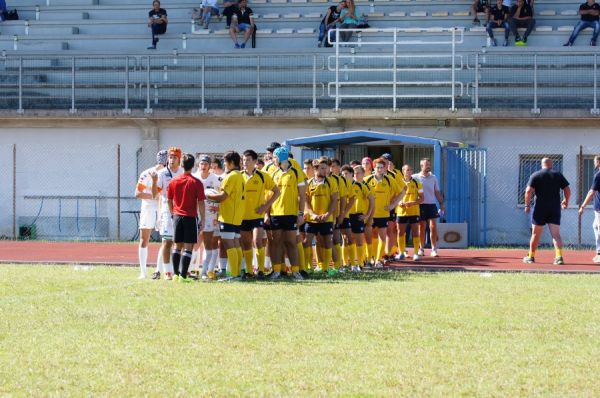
428, 209
268, 157
286, 213
165, 221
149, 208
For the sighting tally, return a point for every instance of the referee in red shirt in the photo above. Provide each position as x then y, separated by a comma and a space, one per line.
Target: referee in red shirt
185, 195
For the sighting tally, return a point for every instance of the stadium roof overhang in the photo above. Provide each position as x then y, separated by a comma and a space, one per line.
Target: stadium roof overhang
361, 136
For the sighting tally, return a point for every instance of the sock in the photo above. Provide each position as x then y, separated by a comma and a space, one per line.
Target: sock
416, 243
402, 243
223, 264
240, 257
346, 258
308, 258
353, 255
143, 255
194, 258
327, 254
260, 259
160, 266
176, 257
380, 249
374, 248
301, 263
360, 254
268, 262
248, 257
186, 259
558, 252
338, 260
232, 260
277, 267
168, 267
214, 257
368, 251
286, 265
531, 254
395, 249
206, 261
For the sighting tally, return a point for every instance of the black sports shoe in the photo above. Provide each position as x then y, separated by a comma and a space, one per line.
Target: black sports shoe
260, 276
304, 274
156, 275
247, 276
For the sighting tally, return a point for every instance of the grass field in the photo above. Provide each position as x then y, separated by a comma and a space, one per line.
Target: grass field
65, 332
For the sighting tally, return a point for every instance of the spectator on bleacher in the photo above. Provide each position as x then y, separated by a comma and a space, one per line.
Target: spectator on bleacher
229, 7
209, 8
521, 16
243, 21
479, 6
2, 10
498, 15
348, 19
329, 21
589, 11
157, 21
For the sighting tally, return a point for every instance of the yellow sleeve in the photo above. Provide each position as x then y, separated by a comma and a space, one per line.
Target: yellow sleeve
227, 185
269, 183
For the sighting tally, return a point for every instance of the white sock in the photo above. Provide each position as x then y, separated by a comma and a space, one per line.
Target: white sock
160, 266
143, 255
223, 266
193, 265
206, 261
268, 263
214, 257
243, 265
169, 267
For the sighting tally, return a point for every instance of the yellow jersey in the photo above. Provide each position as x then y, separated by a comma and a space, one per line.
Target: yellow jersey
413, 190
231, 210
318, 194
257, 187
271, 169
383, 192
361, 193
287, 203
342, 188
349, 193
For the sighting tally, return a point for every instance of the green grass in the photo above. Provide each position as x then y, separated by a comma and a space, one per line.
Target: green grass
101, 332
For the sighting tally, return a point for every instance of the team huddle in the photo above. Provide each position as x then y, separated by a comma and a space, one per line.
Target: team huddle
270, 218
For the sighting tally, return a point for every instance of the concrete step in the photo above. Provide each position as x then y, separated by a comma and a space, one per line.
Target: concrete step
49, 30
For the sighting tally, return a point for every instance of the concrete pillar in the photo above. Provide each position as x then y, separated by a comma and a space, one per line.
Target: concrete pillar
470, 135
150, 143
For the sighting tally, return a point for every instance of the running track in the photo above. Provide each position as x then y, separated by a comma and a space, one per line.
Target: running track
450, 259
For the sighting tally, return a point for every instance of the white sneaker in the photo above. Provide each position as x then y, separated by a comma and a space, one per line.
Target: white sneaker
297, 276
434, 253
342, 270
275, 275
416, 257
142, 276
399, 257
379, 264
204, 277
596, 259
421, 252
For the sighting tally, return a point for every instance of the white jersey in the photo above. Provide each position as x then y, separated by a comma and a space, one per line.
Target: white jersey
212, 181
430, 185
144, 185
164, 179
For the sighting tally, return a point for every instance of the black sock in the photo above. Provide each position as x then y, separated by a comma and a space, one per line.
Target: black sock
176, 259
185, 264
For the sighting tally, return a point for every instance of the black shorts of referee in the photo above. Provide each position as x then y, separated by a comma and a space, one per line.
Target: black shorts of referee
185, 229
428, 211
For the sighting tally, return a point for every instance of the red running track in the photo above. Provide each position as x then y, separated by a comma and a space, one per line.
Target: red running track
450, 260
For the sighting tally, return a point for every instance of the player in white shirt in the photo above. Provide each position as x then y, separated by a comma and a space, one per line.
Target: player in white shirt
149, 208
165, 222
210, 226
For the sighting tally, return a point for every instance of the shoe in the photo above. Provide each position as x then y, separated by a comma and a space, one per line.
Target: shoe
152, 48
185, 280
476, 22
296, 276
521, 43
505, 44
378, 265
421, 252
275, 276
399, 257
211, 275
205, 26
247, 276
204, 277
142, 276
193, 276
342, 270
318, 270
593, 43
356, 268
237, 45
260, 276
176, 278
168, 276
596, 258
304, 274
156, 275
558, 261
416, 257
222, 275
494, 43
332, 272
243, 45
234, 279
434, 253
528, 260
320, 44
567, 44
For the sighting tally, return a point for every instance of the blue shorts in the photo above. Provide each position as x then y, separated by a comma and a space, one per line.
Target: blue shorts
244, 27
543, 216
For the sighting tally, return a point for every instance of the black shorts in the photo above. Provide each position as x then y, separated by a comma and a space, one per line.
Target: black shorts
249, 225
344, 225
185, 229
543, 216
224, 227
428, 211
319, 228
408, 219
302, 227
286, 223
380, 222
482, 6
356, 225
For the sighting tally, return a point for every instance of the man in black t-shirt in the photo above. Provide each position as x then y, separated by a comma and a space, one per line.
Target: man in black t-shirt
479, 6
498, 15
546, 185
243, 21
589, 11
329, 21
521, 16
157, 21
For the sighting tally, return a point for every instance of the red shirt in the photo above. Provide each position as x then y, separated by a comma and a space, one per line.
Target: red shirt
185, 191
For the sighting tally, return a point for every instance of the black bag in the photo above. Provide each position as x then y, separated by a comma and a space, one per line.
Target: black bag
12, 15
254, 37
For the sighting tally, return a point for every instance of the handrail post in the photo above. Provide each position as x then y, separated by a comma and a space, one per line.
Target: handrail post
453, 106
395, 82
477, 109
202, 105
535, 109
73, 110
314, 108
126, 110
595, 110
20, 111
258, 110
337, 68
148, 109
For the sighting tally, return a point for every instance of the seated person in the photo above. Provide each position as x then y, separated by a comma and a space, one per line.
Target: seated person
589, 11
229, 7
479, 6
329, 22
348, 19
243, 21
521, 16
498, 14
209, 8
157, 21
3, 10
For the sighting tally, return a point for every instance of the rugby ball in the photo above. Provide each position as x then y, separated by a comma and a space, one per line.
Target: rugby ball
211, 191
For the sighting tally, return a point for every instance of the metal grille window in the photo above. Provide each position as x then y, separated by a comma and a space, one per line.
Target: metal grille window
587, 175
529, 164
